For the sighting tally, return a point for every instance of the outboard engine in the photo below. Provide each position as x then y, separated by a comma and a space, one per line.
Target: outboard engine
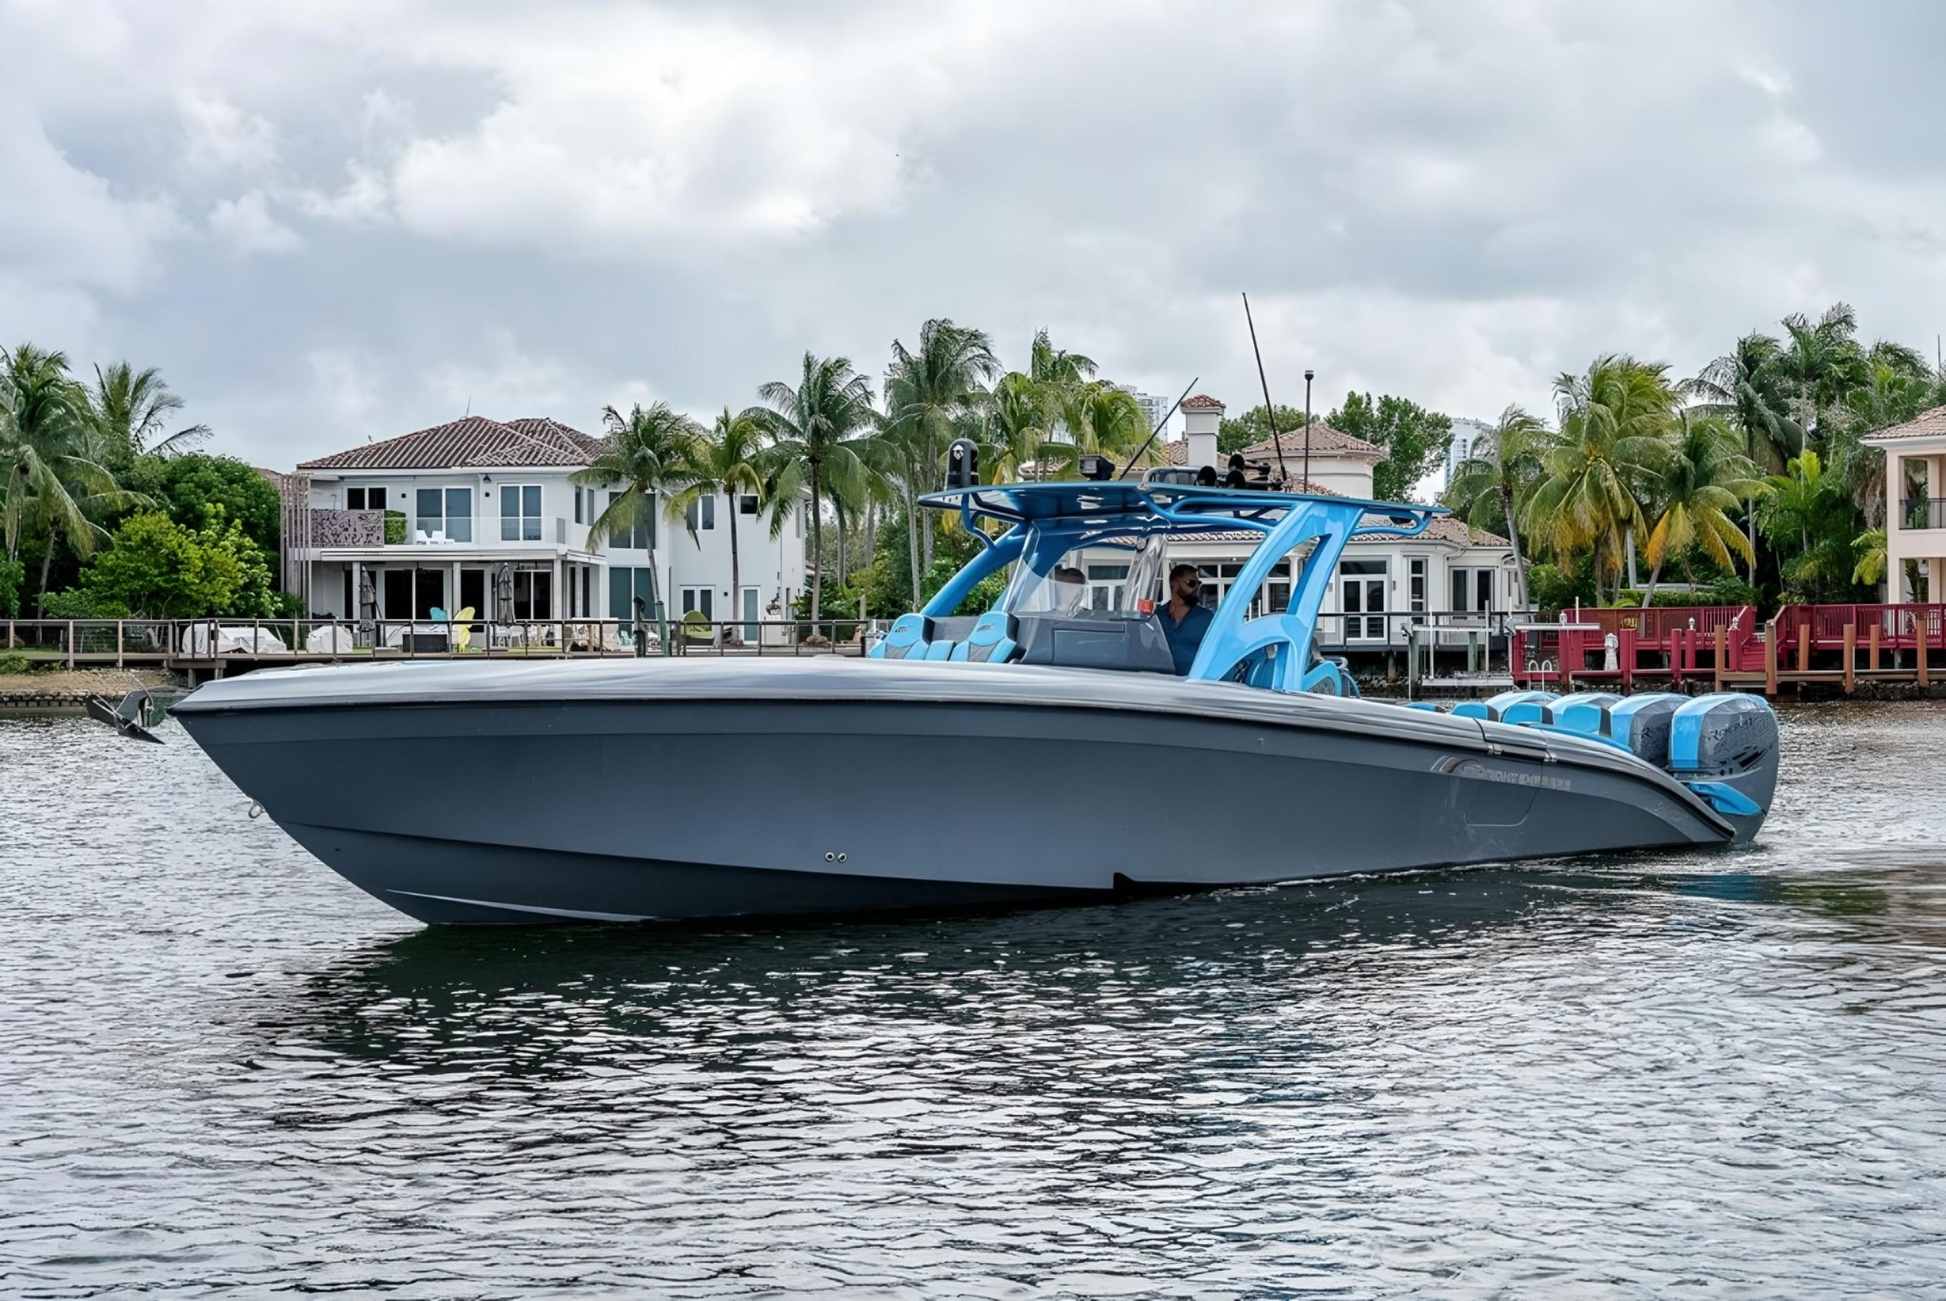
1724, 747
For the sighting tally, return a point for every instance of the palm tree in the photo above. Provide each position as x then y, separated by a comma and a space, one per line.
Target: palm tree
1898, 385
1057, 368
928, 393
731, 459
1703, 479
1821, 363
1746, 387
815, 430
50, 476
1615, 420
1014, 430
650, 450
132, 408
1099, 419
1491, 484
1809, 508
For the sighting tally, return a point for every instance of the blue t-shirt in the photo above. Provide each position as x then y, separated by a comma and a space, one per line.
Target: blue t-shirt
1186, 636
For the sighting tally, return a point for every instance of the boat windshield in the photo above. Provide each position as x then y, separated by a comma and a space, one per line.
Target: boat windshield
1117, 577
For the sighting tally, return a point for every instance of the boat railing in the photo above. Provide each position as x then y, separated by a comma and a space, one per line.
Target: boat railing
73, 643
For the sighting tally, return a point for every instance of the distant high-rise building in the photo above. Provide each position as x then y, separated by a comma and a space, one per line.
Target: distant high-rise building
1466, 435
1153, 408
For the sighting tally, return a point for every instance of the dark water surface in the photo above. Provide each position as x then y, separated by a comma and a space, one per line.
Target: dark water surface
222, 1070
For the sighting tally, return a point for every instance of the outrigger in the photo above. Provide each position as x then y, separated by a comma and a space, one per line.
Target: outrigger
1041, 750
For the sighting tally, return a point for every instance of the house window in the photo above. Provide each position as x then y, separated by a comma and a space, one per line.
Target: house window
577, 504
444, 513
364, 499
639, 536
1415, 593
699, 600
1472, 590
1361, 593
1275, 598
533, 594
520, 512
624, 586
701, 514
1106, 586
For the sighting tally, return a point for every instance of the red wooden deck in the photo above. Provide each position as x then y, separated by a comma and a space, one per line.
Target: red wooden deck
1725, 646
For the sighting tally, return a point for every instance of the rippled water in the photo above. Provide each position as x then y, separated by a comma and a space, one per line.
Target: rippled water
224, 1070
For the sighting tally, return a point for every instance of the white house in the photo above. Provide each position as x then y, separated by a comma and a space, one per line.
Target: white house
1461, 575
1915, 506
484, 515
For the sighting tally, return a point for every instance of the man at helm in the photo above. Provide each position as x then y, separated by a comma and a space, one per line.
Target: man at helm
1185, 618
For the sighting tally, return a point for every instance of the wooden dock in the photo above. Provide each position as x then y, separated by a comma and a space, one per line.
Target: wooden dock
1725, 648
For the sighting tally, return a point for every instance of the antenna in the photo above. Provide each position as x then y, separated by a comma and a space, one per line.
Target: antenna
1270, 412
1143, 449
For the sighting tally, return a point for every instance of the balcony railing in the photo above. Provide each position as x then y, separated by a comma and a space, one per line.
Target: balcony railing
1924, 513
369, 528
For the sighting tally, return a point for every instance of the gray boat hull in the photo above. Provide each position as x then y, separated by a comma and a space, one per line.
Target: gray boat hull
606, 791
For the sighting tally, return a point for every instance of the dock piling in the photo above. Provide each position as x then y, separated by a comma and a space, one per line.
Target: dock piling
1919, 631
1851, 654
1770, 658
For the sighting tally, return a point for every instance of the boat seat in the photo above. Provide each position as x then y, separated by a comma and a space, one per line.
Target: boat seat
939, 650
909, 639
992, 640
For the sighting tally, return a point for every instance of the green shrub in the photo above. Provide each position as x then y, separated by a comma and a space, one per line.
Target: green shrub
77, 604
13, 575
13, 664
394, 528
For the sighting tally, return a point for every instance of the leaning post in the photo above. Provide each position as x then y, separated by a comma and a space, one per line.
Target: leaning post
1411, 663
1919, 629
1873, 662
1770, 658
1851, 654
1804, 648
1722, 653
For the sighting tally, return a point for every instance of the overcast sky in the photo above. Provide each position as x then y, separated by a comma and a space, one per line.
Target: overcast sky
334, 220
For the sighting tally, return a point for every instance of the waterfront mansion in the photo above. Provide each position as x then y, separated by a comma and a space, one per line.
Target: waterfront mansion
484, 514
1459, 576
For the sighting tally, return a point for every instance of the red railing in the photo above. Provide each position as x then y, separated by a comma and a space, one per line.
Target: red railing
1673, 642
1897, 625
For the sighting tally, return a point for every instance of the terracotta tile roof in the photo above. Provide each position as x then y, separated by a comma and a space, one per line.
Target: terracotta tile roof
1445, 528
471, 441
1323, 439
1927, 424
1201, 402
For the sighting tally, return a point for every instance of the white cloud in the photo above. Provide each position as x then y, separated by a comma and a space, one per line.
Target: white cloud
345, 385
217, 136
246, 225
65, 228
543, 208
507, 384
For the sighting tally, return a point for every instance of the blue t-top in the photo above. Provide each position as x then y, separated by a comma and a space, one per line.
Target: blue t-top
1185, 637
